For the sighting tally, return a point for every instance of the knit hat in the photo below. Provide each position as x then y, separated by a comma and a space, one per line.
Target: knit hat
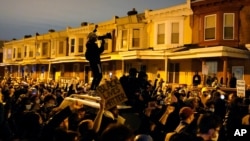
92, 35
185, 112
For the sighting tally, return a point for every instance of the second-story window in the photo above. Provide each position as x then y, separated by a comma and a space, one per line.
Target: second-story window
124, 42
31, 51
9, 53
25, 51
228, 26
45, 49
136, 38
80, 45
61, 46
210, 27
72, 45
19, 52
175, 33
161, 33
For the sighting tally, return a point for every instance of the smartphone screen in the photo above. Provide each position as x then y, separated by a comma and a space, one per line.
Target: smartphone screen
222, 96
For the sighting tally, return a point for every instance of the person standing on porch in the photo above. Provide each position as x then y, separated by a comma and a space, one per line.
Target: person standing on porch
232, 82
196, 79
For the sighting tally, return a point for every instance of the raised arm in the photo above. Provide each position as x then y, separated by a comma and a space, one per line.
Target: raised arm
98, 118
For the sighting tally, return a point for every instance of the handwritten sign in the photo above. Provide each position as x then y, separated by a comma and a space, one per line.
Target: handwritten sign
241, 88
112, 92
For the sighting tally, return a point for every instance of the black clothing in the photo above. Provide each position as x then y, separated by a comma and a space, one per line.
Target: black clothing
92, 54
49, 129
96, 69
232, 82
196, 80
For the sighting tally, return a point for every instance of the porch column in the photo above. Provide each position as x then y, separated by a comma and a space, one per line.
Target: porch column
225, 63
122, 67
19, 71
166, 69
203, 63
48, 76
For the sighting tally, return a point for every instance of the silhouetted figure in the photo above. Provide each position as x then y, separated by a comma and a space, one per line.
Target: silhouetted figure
92, 54
232, 82
196, 79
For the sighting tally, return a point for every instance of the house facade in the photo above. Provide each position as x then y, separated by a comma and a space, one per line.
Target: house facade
175, 42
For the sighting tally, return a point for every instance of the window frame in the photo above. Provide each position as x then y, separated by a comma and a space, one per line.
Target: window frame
164, 34
31, 51
136, 39
124, 38
172, 32
45, 49
72, 45
215, 26
61, 46
80, 45
224, 26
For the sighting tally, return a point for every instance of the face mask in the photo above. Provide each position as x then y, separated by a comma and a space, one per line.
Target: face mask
28, 106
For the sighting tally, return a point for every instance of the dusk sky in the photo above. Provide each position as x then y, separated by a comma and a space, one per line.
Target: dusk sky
26, 17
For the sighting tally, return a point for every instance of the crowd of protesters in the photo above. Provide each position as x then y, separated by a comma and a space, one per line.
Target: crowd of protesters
38, 111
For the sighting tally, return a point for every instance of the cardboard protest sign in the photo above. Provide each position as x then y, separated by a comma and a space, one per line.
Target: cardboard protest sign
241, 88
112, 92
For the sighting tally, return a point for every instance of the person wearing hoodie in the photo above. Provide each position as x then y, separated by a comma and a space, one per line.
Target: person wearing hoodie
93, 54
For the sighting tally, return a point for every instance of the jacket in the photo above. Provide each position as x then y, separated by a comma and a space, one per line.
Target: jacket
93, 52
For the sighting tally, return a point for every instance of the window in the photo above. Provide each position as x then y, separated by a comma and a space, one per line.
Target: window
127, 67
9, 53
19, 53
45, 48
210, 27
31, 52
80, 46
228, 26
161, 34
143, 68
61, 46
175, 33
174, 70
136, 38
72, 45
25, 51
42, 72
43, 69
124, 43
212, 67
76, 70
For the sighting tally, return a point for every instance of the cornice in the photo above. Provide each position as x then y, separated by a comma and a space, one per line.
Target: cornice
203, 6
178, 10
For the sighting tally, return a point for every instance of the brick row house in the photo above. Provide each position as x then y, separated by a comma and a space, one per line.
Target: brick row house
211, 37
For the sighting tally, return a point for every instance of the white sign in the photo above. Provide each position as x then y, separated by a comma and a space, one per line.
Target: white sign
205, 69
241, 88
